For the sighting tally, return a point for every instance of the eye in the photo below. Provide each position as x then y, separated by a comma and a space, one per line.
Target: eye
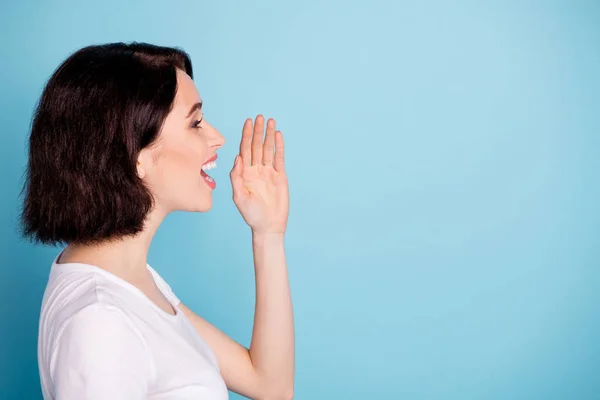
197, 122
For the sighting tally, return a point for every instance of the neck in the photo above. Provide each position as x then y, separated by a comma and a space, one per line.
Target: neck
125, 257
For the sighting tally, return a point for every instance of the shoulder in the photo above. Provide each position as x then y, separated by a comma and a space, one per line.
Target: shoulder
101, 321
73, 289
101, 331
82, 308
100, 349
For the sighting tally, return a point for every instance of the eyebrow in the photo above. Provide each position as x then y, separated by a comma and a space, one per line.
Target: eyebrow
197, 106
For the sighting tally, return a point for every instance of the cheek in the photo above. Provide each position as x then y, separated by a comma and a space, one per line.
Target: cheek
180, 162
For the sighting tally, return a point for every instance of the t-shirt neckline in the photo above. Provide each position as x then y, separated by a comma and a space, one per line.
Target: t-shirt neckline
124, 283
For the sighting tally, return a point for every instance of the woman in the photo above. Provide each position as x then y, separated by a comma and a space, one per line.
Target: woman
119, 141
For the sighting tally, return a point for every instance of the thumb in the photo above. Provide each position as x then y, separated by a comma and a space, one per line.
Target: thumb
236, 174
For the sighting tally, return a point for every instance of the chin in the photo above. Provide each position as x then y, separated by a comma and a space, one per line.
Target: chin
204, 204
196, 201
203, 209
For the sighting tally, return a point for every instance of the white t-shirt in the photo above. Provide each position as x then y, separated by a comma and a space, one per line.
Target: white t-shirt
102, 338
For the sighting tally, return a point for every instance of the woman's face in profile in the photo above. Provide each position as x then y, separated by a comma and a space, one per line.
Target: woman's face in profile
171, 167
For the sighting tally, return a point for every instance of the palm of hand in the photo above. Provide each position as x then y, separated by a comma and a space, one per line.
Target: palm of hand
258, 178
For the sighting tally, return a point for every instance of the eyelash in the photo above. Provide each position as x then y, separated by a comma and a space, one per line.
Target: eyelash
196, 123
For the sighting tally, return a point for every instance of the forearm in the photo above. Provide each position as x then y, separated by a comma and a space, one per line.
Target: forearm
272, 345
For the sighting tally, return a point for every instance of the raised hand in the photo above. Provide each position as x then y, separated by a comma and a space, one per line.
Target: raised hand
258, 178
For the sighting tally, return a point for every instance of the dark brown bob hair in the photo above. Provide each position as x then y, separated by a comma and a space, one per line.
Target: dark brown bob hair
99, 108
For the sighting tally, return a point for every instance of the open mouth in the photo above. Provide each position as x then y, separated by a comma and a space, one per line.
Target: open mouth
207, 166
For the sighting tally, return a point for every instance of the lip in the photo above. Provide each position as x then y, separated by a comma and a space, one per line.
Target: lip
213, 158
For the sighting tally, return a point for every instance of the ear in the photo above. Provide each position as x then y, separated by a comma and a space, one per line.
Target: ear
141, 172
143, 163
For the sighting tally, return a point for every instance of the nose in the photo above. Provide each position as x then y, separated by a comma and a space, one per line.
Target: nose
216, 139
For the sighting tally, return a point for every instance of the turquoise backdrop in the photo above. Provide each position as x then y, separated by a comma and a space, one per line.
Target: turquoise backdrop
444, 163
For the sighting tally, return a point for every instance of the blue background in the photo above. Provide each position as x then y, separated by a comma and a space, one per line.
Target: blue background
444, 163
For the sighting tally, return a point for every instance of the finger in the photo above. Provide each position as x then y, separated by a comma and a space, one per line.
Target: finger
257, 140
237, 183
279, 153
237, 165
245, 144
268, 146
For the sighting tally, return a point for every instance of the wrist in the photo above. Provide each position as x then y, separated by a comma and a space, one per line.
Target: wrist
267, 236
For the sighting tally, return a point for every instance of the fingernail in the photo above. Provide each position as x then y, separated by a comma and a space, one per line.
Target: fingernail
236, 160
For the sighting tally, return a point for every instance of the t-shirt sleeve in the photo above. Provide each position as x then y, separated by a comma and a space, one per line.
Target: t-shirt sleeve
101, 356
164, 287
